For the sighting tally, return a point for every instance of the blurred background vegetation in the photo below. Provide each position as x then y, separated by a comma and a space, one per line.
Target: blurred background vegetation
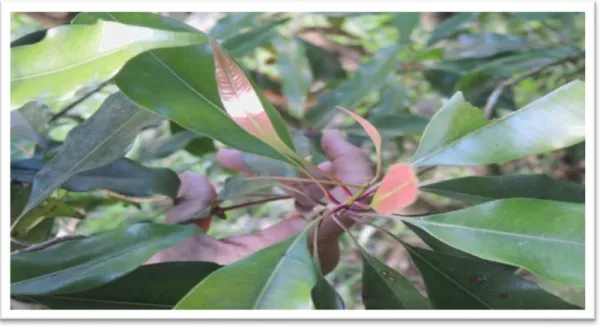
309, 62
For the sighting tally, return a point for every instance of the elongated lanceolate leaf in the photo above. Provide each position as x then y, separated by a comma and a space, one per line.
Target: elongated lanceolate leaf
30, 122
374, 135
102, 139
459, 134
277, 277
398, 189
542, 236
295, 73
72, 57
85, 263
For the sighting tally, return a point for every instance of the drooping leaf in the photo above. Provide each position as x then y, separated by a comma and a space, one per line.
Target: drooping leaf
369, 77
406, 22
49, 209
542, 236
398, 189
72, 57
244, 43
392, 126
294, 72
324, 296
82, 264
181, 90
180, 140
383, 288
449, 27
454, 282
101, 140
122, 176
324, 65
277, 277
198, 146
237, 187
459, 134
475, 190
153, 287
30, 123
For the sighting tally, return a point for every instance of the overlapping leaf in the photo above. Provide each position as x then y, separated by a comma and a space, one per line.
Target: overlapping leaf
30, 122
459, 134
398, 189
545, 237
72, 57
85, 263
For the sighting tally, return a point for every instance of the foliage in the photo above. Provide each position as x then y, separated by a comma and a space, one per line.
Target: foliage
429, 105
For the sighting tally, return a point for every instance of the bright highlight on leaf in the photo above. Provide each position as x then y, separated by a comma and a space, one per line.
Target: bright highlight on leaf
240, 100
398, 189
374, 135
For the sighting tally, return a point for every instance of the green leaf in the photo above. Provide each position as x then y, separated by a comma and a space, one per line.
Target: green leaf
51, 208
294, 72
325, 66
177, 83
476, 190
30, 122
392, 126
449, 27
29, 38
154, 287
459, 134
542, 236
122, 176
264, 166
454, 282
198, 146
232, 23
238, 187
180, 140
102, 139
82, 264
277, 277
393, 98
72, 57
39, 233
406, 22
386, 289
369, 78
324, 296
244, 43
482, 45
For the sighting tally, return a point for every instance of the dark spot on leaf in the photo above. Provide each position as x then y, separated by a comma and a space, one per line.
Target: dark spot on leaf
503, 295
476, 280
387, 276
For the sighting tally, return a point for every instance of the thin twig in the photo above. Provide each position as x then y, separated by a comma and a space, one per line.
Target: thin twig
78, 101
498, 91
48, 243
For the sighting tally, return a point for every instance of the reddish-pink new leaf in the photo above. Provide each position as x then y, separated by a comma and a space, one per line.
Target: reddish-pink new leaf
240, 99
398, 189
374, 135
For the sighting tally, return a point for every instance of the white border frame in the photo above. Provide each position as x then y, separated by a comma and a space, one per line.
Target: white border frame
588, 7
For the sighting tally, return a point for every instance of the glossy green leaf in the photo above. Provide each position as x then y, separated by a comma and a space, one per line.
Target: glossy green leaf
101, 140
238, 187
37, 234
82, 264
178, 83
244, 43
30, 122
122, 176
482, 45
542, 236
153, 287
459, 134
72, 57
383, 288
198, 146
324, 296
406, 22
165, 147
393, 125
449, 27
349, 93
277, 277
475, 190
468, 283
50, 208
264, 166
29, 38
294, 72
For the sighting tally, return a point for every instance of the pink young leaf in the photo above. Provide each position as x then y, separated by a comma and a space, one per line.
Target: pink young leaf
374, 135
240, 99
398, 189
